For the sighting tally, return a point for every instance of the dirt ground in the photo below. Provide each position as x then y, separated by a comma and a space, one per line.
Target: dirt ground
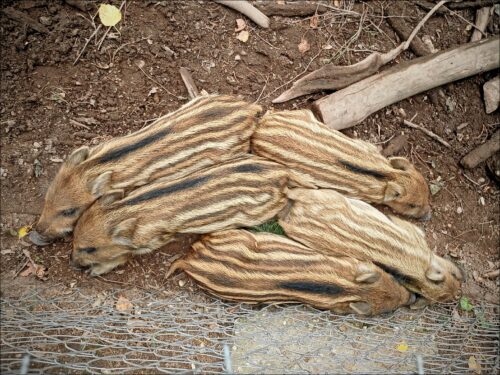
134, 78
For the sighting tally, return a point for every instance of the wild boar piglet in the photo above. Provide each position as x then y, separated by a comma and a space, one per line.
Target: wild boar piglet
240, 193
334, 224
331, 160
206, 131
261, 267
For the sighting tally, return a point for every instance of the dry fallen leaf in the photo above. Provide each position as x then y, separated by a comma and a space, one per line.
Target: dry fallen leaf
109, 15
304, 46
473, 365
314, 22
243, 36
35, 269
402, 347
123, 304
240, 25
23, 231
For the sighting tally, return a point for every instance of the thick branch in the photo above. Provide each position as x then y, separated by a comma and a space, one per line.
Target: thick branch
353, 104
298, 9
483, 152
247, 9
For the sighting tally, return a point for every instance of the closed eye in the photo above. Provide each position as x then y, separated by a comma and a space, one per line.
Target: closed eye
68, 212
411, 205
88, 250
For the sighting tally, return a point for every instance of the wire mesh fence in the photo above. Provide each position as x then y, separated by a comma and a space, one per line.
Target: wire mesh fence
54, 330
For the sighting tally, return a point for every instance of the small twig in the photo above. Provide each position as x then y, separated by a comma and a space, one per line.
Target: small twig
471, 180
76, 123
109, 28
467, 22
126, 44
428, 132
263, 88
189, 83
86, 44
421, 23
158, 83
21, 268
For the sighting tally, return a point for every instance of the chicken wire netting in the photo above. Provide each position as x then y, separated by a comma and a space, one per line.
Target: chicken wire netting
57, 330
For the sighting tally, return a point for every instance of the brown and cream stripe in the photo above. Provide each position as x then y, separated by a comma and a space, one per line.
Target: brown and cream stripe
261, 267
334, 224
243, 192
202, 133
329, 159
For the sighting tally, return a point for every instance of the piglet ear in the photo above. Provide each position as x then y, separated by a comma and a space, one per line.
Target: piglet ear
123, 233
112, 196
101, 184
367, 274
401, 163
393, 191
435, 271
78, 156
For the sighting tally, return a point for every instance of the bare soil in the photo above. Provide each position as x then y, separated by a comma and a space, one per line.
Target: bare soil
42, 90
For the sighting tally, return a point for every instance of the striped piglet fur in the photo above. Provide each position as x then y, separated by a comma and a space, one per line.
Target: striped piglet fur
333, 224
329, 159
261, 267
202, 133
240, 193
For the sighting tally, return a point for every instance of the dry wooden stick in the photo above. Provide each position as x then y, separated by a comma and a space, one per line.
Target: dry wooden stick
349, 106
457, 6
297, 9
492, 274
404, 31
189, 83
428, 132
483, 152
482, 19
333, 77
247, 9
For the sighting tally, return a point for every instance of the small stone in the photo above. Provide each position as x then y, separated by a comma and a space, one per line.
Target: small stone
44, 20
237, 57
459, 210
182, 283
402, 112
450, 104
482, 201
37, 144
38, 168
481, 180
491, 90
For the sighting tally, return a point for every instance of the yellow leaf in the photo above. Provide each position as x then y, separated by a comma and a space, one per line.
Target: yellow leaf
243, 36
23, 231
109, 15
402, 347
